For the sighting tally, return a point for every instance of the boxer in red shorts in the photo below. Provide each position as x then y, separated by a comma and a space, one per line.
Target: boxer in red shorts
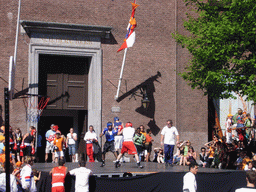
128, 145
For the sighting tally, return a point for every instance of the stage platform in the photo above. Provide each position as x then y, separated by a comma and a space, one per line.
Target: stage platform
131, 167
153, 177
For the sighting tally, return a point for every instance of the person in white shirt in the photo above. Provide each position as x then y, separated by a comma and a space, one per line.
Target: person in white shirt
26, 176
228, 125
82, 177
168, 141
71, 144
13, 182
128, 145
189, 179
90, 137
251, 179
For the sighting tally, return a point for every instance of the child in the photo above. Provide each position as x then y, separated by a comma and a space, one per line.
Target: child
16, 171
160, 157
58, 145
37, 175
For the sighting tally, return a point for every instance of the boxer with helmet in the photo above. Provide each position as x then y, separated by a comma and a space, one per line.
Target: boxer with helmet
128, 145
118, 125
109, 133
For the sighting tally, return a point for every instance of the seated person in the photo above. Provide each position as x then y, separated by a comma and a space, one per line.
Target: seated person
160, 156
203, 157
191, 157
179, 155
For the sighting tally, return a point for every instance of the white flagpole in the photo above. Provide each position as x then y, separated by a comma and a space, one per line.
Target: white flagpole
121, 75
17, 34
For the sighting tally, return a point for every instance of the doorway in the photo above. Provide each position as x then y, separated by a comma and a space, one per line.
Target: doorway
64, 123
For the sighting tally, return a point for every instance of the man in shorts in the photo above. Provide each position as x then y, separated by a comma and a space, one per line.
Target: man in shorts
118, 125
109, 133
49, 136
128, 145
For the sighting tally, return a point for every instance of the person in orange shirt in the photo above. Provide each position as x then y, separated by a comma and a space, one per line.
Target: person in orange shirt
148, 144
58, 146
2, 157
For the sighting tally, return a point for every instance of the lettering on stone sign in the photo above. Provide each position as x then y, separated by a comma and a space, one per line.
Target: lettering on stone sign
66, 41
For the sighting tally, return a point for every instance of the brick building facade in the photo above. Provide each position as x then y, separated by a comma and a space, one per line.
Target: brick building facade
95, 30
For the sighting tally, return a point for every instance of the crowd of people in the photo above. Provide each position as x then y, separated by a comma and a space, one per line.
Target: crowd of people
235, 150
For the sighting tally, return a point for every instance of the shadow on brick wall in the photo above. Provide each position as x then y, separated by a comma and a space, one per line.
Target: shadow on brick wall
148, 87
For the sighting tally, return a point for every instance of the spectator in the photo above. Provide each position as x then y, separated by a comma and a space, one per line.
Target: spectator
58, 146
71, 144
250, 179
26, 175
12, 143
249, 166
245, 161
13, 183
139, 139
186, 147
191, 157
148, 144
160, 156
39, 146
156, 151
90, 137
231, 157
210, 153
50, 136
58, 176
37, 175
144, 151
179, 155
168, 140
228, 125
2, 139
217, 154
18, 136
203, 157
2, 157
189, 179
238, 163
17, 170
82, 177
16, 173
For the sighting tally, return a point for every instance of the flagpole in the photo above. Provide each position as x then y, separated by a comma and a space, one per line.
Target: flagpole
121, 75
17, 34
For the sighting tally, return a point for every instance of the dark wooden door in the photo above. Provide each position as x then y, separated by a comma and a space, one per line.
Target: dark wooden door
65, 80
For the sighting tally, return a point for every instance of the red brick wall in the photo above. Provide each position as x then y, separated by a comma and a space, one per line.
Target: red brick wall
154, 50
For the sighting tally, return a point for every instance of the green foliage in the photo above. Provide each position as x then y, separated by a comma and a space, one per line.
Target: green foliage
222, 44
